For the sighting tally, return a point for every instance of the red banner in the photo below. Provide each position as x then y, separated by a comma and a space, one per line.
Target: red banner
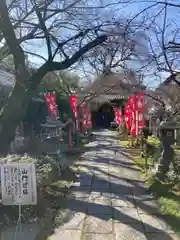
141, 121
132, 103
132, 109
117, 116
89, 122
86, 118
136, 105
140, 110
51, 103
83, 118
140, 101
73, 102
127, 115
133, 123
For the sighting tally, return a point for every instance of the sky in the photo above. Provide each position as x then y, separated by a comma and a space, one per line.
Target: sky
121, 12
173, 20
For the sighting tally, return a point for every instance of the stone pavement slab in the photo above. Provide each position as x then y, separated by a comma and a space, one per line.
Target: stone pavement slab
95, 208
103, 200
75, 223
100, 184
85, 181
97, 194
80, 193
91, 236
129, 232
99, 171
121, 201
147, 207
120, 189
153, 224
77, 205
99, 224
126, 215
66, 235
115, 170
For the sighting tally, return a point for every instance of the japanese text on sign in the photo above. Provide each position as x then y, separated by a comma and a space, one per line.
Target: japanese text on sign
18, 183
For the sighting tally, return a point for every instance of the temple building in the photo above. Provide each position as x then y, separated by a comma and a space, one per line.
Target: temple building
108, 91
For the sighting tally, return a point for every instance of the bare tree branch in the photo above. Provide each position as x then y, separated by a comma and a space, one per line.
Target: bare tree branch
43, 27
67, 63
14, 47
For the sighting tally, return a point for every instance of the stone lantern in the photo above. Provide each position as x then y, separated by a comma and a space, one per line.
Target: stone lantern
51, 136
167, 139
155, 114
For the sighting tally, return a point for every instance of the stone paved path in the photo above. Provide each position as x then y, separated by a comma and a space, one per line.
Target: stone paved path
110, 202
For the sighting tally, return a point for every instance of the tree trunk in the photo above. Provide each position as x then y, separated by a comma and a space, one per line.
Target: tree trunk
11, 116
13, 112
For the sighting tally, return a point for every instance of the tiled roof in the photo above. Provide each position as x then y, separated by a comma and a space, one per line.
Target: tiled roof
111, 97
114, 84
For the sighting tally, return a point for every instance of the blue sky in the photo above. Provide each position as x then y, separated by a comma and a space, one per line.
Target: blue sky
173, 21
128, 10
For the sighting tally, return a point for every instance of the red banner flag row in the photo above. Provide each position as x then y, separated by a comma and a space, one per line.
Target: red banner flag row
85, 114
133, 114
51, 104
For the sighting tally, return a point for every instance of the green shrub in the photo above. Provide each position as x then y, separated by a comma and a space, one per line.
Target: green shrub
174, 173
47, 170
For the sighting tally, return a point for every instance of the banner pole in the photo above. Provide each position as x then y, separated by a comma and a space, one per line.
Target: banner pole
20, 226
137, 117
70, 136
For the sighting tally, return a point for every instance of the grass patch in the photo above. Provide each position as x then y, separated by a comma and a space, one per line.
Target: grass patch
136, 155
168, 201
141, 162
153, 141
124, 143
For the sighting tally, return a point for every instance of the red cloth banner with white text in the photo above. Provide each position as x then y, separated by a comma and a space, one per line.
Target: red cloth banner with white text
86, 118
51, 103
118, 116
132, 107
140, 110
73, 102
137, 113
83, 118
127, 115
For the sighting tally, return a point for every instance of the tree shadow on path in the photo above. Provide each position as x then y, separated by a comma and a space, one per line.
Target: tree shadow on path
135, 208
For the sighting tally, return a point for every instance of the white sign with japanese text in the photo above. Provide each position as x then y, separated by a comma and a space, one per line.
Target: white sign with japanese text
18, 184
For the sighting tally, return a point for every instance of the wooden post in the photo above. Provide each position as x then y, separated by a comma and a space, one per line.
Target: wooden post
146, 157
175, 137
136, 119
